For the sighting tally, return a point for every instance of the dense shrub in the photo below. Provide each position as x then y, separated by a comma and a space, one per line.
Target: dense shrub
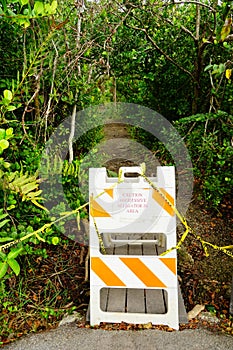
209, 139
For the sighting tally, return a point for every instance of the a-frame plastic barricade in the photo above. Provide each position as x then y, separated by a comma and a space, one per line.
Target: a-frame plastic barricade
131, 206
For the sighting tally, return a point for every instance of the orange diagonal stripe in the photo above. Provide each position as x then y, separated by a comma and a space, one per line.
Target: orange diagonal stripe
109, 191
170, 263
162, 202
105, 274
96, 210
143, 272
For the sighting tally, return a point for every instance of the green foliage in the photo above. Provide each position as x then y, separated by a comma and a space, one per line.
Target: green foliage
26, 186
3, 221
208, 138
22, 11
9, 260
16, 182
5, 135
15, 188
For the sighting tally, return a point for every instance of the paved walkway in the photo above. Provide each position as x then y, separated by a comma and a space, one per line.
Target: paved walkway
70, 337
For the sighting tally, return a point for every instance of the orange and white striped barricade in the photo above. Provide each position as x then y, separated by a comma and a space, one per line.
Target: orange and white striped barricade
129, 205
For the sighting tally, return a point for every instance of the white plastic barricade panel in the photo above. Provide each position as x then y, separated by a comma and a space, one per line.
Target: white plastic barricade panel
129, 205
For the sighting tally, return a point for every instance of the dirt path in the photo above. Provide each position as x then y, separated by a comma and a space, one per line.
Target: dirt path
121, 150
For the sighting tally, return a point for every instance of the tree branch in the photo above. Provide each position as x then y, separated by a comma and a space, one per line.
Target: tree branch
195, 3
229, 38
198, 21
71, 136
51, 91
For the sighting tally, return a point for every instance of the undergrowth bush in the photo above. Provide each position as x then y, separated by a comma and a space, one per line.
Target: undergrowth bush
209, 139
22, 212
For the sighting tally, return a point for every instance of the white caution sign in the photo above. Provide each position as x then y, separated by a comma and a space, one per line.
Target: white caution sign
128, 204
132, 204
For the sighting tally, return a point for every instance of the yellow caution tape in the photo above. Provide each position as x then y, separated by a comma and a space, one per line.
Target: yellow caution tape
64, 215
102, 246
10, 244
188, 229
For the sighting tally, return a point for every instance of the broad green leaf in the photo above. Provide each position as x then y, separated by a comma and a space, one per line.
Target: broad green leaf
3, 269
8, 95
221, 68
208, 67
6, 165
2, 255
4, 144
11, 13
24, 2
10, 108
53, 6
14, 265
5, 239
12, 206
9, 132
55, 240
2, 133
47, 8
24, 22
14, 253
39, 8
2, 223
2, 216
